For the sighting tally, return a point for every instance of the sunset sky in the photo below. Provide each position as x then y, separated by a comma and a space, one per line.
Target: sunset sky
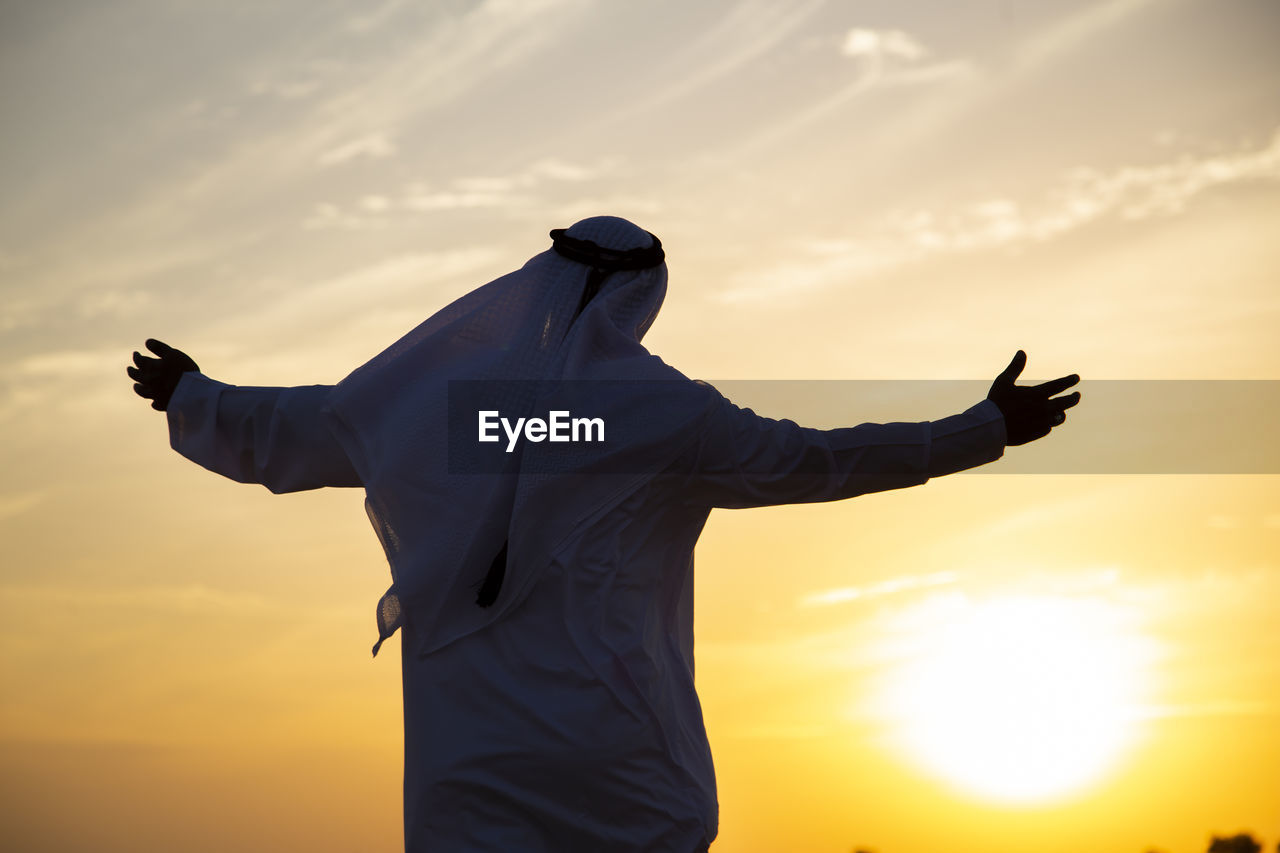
845, 190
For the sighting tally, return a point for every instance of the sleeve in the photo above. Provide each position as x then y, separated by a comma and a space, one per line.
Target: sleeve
278, 437
745, 460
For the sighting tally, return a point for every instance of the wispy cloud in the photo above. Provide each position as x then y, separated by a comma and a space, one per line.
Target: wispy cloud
374, 16
187, 598
626, 205
1085, 195
509, 192
1067, 34
360, 113
366, 305
744, 35
14, 505
100, 283
61, 381
378, 211
881, 45
953, 88
845, 594
67, 362
374, 146
1078, 198
113, 303
885, 58
289, 89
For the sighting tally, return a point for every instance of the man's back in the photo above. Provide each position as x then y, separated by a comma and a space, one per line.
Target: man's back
573, 723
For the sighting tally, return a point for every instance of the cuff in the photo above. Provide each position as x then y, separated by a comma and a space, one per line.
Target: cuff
192, 414
967, 440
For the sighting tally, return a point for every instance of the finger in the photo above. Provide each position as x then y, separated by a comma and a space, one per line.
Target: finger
145, 362
155, 404
1061, 404
1056, 386
145, 374
160, 348
1010, 374
146, 392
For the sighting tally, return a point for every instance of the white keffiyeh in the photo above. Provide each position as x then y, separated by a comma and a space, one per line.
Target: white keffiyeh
442, 526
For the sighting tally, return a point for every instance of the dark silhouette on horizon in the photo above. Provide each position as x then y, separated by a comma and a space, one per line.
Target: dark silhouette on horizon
545, 610
1243, 842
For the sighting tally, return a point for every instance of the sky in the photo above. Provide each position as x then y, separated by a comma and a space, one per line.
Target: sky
845, 190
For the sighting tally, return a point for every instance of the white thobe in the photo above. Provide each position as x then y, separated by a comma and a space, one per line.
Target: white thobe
573, 724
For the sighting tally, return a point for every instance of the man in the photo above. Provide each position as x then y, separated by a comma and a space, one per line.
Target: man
544, 588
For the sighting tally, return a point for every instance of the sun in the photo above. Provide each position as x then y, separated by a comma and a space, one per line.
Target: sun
1018, 698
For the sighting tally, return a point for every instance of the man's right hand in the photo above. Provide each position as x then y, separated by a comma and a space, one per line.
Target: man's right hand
1030, 411
156, 378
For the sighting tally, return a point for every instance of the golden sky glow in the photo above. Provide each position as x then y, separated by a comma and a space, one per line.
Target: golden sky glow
879, 190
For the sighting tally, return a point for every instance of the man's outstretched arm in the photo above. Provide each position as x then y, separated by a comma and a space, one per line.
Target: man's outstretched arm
278, 437
745, 460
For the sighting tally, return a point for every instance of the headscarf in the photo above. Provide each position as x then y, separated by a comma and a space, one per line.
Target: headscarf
563, 332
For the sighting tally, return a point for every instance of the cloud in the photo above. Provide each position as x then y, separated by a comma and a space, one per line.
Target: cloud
429, 201
1065, 36
881, 44
375, 146
113, 303
98, 283
845, 594
13, 505
559, 170
374, 18
1078, 198
739, 38
201, 198
1085, 195
815, 267
896, 58
516, 190
886, 58
49, 385
286, 90
378, 211
190, 598
962, 86
625, 205
365, 304
61, 363
380, 283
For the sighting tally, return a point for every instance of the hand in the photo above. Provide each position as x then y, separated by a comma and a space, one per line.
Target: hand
1030, 411
156, 378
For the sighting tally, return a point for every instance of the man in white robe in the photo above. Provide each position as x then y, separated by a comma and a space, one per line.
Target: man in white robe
556, 709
